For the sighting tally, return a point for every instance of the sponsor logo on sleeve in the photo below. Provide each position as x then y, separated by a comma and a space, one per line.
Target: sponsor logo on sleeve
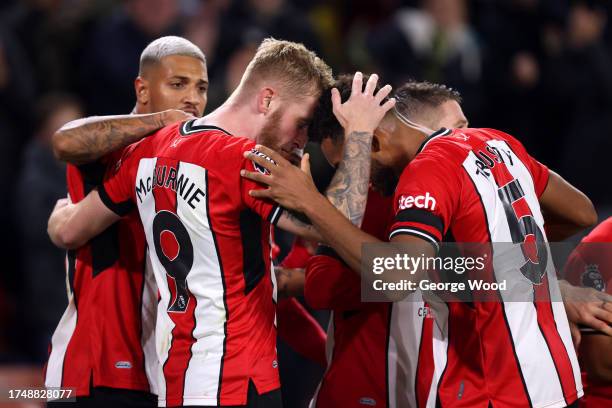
421, 201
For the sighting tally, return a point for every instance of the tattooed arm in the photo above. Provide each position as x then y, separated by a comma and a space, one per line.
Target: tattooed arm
289, 281
359, 116
86, 140
348, 190
290, 223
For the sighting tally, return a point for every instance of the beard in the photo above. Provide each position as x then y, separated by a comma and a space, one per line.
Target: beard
384, 178
268, 136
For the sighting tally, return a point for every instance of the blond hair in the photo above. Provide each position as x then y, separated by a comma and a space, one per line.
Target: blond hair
292, 65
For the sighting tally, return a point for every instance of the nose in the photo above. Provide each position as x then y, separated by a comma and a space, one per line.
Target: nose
193, 97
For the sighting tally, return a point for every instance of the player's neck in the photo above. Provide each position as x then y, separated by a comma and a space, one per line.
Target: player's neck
411, 140
233, 118
140, 109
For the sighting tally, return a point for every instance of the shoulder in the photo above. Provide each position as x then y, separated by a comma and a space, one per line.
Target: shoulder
601, 233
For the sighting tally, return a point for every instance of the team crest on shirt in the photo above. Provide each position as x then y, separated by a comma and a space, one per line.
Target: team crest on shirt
258, 167
591, 278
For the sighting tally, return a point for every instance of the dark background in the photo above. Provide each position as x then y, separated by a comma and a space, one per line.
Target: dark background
538, 69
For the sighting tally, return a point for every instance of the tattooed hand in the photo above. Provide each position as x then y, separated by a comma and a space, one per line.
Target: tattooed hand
289, 281
359, 116
290, 186
171, 116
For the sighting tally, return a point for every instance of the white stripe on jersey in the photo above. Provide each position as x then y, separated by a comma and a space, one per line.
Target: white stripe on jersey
59, 343
329, 353
537, 365
520, 171
163, 325
419, 233
403, 352
440, 349
205, 282
148, 319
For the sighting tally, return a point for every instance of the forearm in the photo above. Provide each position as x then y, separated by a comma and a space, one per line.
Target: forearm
73, 225
338, 232
289, 281
86, 140
348, 190
596, 357
558, 229
56, 225
566, 209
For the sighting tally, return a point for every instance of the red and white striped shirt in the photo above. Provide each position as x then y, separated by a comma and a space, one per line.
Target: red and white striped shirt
106, 336
379, 354
209, 244
481, 186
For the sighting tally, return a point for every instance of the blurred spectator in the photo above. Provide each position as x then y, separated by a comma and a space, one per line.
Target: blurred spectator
250, 19
16, 94
518, 37
41, 183
203, 26
110, 61
434, 43
581, 77
228, 78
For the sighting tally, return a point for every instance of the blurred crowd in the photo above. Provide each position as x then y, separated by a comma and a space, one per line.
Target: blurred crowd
538, 69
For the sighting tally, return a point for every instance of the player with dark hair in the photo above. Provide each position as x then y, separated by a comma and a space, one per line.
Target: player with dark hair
368, 356
482, 186
104, 345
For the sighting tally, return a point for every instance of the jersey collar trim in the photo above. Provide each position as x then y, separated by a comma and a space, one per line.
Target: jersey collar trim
190, 127
437, 133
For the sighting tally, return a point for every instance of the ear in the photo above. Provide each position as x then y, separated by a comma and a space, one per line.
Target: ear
381, 139
264, 99
141, 86
380, 144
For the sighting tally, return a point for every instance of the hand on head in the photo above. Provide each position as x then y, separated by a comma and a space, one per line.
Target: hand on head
364, 109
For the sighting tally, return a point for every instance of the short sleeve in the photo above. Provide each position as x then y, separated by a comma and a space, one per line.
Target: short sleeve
117, 190
426, 198
540, 174
267, 209
590, 265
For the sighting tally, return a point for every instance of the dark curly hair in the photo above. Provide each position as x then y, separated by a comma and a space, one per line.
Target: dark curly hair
324, 123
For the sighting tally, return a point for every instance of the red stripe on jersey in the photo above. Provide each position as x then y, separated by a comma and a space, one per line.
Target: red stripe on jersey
179, 353
545, 317
521, 208
425, 365
558, 352
508, 374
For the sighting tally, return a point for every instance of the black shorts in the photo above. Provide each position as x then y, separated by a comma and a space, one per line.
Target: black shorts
103, 397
